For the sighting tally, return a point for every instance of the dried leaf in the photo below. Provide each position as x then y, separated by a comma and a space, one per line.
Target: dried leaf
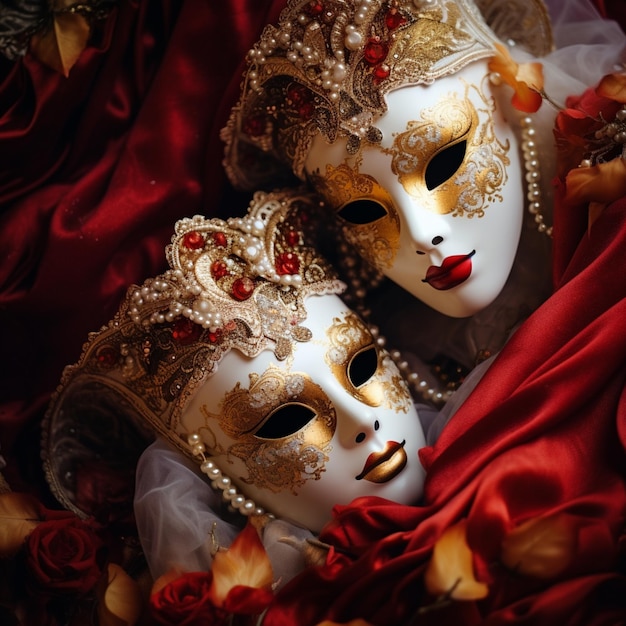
245, 563
542, 547
450, 571
60, 47
603, 182
613, 86
19, 514
120, 601
526, 79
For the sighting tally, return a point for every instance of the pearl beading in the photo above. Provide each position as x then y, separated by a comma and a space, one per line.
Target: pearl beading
530, 155
220, 482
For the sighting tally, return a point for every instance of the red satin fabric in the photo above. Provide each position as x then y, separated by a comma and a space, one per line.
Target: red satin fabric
94, 171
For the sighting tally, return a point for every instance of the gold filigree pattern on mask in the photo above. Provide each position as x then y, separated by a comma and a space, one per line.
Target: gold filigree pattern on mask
284, 463
481, 173
349, 338
377, 241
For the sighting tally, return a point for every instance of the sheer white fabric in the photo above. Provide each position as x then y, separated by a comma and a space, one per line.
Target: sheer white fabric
180, 523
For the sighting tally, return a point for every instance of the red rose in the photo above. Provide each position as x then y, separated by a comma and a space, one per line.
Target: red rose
185, 602
64, 556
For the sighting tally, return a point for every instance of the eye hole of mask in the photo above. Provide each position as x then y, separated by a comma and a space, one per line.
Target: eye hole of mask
361, 212
363, 366
444, 164
285, 420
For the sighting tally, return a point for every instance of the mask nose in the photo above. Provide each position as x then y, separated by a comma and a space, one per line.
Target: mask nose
356, 422
425, 229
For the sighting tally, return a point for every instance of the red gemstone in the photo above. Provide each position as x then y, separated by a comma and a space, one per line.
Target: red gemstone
184, 331
219, 269
381, 72
216, 336
193, 240
375, 51
293, 238
394, 20
107, 357
314, 8
254, 126
298, 94
243, 288
306, 110
219, 239
287, 263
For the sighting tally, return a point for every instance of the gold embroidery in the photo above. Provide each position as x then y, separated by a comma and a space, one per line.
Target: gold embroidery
350, 338
377, 241
477, 182
284, 463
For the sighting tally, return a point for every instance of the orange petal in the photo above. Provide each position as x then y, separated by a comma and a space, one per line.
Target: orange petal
503, 64
541, 547
450, 571
531, 74
604, 183
613, 86
120, 601
526, 100
61, 46
244, 563
165, 579
19, 514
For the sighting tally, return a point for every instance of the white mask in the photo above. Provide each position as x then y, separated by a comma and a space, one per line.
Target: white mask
332, 422
438, 206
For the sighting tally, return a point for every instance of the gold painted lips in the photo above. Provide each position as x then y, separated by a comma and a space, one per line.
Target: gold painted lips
382, 466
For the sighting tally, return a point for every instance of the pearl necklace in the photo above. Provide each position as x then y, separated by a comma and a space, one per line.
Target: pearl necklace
533, 174
220, 482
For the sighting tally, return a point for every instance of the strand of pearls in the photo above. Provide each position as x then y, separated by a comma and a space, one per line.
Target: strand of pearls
533, 175
221, 482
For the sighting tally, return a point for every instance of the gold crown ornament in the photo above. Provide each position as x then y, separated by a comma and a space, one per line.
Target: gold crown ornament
239, 284
327, 65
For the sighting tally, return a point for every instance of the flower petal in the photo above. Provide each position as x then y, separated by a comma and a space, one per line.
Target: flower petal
120, 601
542, 547
604, 183
19, 515
613, 86
531, 74
450, 571
244, 563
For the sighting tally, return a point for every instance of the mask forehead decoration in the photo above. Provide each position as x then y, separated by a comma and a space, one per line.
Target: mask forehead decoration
239, 284
327, 65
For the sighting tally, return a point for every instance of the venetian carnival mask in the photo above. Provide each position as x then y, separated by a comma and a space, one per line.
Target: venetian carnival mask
332, 422
243, 357
387, 109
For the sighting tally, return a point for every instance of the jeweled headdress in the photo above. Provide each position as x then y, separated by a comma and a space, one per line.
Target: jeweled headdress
327, 65
239, 284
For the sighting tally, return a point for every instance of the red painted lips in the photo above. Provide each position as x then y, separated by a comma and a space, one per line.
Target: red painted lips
453, 271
